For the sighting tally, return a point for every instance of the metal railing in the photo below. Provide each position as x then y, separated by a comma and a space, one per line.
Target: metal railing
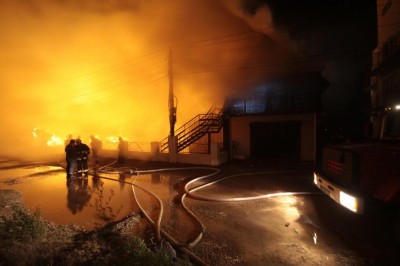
195, 128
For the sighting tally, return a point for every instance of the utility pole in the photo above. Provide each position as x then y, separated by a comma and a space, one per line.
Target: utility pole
171, 98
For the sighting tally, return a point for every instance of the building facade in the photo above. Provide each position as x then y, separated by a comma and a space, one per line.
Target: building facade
385, 82
276, 120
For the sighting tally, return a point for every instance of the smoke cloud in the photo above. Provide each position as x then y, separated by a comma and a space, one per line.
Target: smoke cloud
101, 67
336, 37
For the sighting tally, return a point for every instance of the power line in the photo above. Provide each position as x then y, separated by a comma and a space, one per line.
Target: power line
255, 66
234, 38
138, 59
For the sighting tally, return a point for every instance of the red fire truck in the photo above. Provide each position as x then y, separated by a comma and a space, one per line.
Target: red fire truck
361, 176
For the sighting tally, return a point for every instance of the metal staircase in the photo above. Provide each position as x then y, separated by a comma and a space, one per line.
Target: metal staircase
196, 128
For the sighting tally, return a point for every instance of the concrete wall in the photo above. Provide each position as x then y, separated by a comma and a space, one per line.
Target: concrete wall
240, 141
215, 158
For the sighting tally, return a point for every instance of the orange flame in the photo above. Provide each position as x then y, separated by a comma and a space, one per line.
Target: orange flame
55, 141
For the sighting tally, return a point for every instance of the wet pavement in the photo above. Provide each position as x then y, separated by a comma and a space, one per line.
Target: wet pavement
291, 229
88, 202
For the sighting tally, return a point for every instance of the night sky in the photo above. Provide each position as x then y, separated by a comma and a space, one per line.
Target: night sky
338, 36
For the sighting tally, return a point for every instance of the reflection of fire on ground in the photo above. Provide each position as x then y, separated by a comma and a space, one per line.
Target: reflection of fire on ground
78, 194
102, 201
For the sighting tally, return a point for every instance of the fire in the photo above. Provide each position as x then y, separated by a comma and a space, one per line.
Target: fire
55, 141
112, 139
46, 138
35, 132
88, 78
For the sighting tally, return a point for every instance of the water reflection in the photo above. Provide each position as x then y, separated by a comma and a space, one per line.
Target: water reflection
96, 182
121, 179
104, 201
78, 194
89, 203
155, 178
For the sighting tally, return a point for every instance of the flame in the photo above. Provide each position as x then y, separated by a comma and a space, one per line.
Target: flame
112, 139
55, 141
35, 132
89, 78
44, 137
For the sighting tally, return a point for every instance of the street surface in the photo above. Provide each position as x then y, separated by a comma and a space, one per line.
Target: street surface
303, 227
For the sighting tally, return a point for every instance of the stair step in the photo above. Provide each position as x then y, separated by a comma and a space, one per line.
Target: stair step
196, 128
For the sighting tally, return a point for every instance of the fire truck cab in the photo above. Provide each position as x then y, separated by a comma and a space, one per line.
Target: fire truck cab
358, 175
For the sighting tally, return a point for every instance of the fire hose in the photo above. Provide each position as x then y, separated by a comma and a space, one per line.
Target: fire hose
188, 191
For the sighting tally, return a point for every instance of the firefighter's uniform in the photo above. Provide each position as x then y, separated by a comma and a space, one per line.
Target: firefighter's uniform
70, 151
82, 152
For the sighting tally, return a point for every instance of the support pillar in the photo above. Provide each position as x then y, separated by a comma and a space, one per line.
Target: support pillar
173, 149
155, 150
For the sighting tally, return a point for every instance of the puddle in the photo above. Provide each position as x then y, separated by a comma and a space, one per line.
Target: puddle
88, 202
95, 201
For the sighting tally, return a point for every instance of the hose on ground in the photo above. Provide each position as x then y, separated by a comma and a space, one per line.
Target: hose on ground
189, 190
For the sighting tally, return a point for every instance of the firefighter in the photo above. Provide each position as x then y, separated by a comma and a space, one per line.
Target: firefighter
96, 147
68, 140
122, 150
70, 152
82, 152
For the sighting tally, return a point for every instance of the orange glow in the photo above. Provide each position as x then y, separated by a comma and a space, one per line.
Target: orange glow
101, 67
55, 141
35, 133
112, 139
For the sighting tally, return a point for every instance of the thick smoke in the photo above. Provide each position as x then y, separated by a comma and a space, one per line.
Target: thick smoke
101, 67
336, 37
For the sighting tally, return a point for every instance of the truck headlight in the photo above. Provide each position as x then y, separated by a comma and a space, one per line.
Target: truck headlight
348, 201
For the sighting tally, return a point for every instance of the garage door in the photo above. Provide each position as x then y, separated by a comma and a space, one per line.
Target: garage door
275, 140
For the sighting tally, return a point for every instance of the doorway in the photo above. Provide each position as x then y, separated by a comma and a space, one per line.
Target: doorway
275, 140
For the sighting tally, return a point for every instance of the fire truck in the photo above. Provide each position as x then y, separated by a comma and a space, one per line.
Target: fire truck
365, 175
